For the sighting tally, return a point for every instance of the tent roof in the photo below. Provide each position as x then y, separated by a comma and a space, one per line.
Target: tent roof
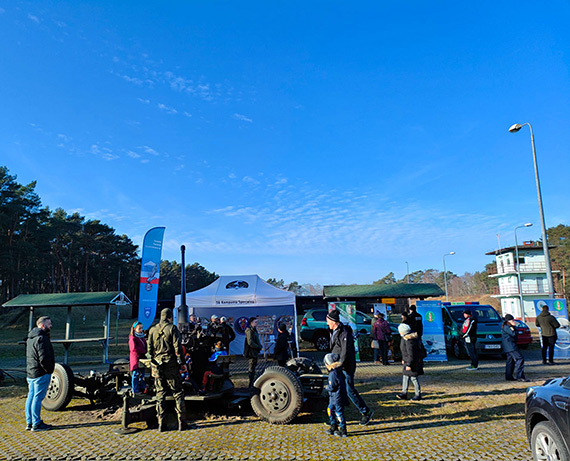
68, 299
239, 290
394, 290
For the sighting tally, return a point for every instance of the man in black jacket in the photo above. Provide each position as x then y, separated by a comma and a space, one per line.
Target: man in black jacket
469, 334
514, 368
416, 321
342, 343
40, 363
228, 334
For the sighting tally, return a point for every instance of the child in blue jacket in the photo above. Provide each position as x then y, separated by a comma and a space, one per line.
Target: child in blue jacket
338, 398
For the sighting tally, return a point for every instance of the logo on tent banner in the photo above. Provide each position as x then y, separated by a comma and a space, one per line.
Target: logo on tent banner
237, 284
241, 325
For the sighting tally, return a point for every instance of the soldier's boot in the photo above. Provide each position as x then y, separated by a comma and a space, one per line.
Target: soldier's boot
161, 425
182, 426
251, 379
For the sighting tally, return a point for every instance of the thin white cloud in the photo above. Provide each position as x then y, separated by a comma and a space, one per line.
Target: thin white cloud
135, 80
187, 114
150, 150
250, 180
167, 109
133, 154
103, 152
144, 101
31, 17
242, 117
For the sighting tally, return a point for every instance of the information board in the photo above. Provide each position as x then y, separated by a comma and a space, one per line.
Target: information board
433, 337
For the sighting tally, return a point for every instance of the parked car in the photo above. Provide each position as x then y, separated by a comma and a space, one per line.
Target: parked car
314, 327
488, 328
547, 419
524, 338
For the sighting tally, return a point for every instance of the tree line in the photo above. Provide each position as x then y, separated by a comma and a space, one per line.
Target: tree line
44, 251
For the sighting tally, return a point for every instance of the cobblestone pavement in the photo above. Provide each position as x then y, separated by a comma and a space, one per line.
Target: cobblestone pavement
464, 416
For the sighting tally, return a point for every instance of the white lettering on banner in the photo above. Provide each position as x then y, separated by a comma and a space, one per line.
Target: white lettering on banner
235, 301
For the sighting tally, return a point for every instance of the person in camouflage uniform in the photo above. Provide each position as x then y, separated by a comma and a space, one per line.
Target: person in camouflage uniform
252, 348
165, 349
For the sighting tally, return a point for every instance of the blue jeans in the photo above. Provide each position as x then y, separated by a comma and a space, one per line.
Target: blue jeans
138, 383
37, 390
336, 416
406, 382
354, 395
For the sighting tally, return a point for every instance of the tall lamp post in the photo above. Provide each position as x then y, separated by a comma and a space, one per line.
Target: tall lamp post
445, 273
528, 224
407, 272
513, 129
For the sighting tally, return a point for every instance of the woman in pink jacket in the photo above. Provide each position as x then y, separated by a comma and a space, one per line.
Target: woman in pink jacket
137, 346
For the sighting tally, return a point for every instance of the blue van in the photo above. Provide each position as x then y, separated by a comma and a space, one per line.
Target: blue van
489, 324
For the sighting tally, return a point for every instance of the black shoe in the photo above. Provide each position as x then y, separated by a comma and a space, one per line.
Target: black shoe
366, 417
544, 362
402, 396
510, 379
550, 363
28, 427
523, 380
417, 397
332, 430
341, 432
41, 427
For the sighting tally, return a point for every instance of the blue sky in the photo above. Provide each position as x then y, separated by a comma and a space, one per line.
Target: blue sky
322, 142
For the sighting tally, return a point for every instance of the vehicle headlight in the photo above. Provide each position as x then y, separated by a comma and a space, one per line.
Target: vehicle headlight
530, 391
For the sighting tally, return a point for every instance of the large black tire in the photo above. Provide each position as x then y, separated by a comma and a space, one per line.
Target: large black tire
278, 397
322, 341
303, 365
60, 391
546, 442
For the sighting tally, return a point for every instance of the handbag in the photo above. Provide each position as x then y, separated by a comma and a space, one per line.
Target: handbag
375, 344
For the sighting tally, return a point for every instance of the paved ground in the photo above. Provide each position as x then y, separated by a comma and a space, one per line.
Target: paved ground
465, 416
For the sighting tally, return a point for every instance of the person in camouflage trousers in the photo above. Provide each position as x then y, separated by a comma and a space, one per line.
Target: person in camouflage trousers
167, 358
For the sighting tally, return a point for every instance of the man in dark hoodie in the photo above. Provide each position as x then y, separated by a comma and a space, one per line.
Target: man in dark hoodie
548, 325
40, 363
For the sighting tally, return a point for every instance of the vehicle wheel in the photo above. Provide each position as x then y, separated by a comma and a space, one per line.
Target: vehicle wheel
458, 352
60, 389
303, 365
546, 443
322, 342
279, 397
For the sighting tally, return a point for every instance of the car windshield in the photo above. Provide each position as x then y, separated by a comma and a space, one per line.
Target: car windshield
483, 314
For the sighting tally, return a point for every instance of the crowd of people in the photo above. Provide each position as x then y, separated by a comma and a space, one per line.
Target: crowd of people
171, 359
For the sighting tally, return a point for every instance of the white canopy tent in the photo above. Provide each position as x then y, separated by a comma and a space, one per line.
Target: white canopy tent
240, 297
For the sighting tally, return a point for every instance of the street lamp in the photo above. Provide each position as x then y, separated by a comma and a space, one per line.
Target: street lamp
445, 273
513, 129
407, 272
528, 224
